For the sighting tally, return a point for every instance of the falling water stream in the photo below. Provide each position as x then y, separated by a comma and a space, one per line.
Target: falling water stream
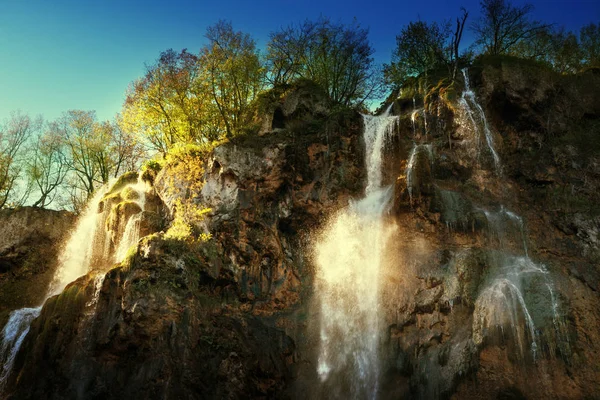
349, 257
410, 165
77, 258
468, 98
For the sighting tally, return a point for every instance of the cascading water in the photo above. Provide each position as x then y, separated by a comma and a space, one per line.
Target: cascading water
349, 257
503, 302
131, 234
410, 165
467, 98
77, 258
13, 334
74, 261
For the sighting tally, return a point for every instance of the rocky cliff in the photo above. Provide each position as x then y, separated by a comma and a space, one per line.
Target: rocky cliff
30, 240
491, 274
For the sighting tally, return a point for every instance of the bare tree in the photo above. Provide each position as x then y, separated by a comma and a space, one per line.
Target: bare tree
14, 133
86, 149
337, 57
126, 150
589, 38
502, 26
460, 27
47, 166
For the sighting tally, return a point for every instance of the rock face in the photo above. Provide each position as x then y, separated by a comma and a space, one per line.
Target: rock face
30, 241
207, 320
490, 284
158, 329
495, 292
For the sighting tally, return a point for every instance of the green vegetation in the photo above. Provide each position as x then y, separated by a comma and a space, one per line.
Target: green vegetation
335, 56
422, 47
189, 102
186, 224
122, 181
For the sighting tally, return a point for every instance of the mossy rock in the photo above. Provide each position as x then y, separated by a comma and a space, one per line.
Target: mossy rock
129, 194
121, 212
126, 179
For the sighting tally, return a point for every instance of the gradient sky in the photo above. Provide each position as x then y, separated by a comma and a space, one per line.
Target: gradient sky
57, 55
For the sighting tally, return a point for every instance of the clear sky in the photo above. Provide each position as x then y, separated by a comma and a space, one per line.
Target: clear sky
57, 55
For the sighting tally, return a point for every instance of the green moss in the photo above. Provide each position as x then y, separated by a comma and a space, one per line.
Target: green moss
121, 211
184, 152
129, 194
125, 179
130, 257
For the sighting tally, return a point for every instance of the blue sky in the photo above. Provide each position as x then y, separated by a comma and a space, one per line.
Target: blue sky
57, 55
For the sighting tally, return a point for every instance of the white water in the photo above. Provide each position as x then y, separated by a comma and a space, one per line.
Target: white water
502, 225
410, 165
76, 259
377, 131
349, 258
413, 117
502, 304
469, 97
131, 234
13, 334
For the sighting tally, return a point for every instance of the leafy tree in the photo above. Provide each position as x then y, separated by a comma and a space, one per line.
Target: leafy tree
233, 74
503, 26
554, 47
420, 47
163, 106
589, 38
14, 133
335, 56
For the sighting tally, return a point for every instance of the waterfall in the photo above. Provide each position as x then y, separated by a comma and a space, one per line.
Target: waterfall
13, 334
413, 117
469, 97
500, 303
88, 245
131, 234
76, 257
503, 302
410, 165
348, 257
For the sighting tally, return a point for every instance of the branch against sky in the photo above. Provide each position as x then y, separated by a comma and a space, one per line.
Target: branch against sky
502, 26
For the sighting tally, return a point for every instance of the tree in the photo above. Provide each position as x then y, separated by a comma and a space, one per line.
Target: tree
126, 150
233, 74
420, 47
589, 38
554, 47
335, 56
285, 54
503, 26
14, 133
47, 166
161, 106
455, 45
87, 149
